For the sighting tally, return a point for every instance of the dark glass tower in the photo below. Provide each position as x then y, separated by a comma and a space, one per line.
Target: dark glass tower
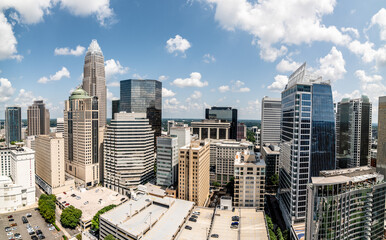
224, 114
308, 140
114, 108
353, 132
143, 96
12, 124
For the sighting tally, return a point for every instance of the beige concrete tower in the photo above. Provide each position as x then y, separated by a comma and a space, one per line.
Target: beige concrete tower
38, 118
193, 172
81, 138
94, 81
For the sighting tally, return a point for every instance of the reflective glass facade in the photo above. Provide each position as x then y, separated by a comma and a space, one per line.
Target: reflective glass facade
143, 96
308, 141
224, 114
12, 124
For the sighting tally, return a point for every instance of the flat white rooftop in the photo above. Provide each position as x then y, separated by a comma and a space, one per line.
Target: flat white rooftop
166, 215
93, 197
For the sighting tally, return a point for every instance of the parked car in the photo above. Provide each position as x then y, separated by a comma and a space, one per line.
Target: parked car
10, 216
13, 224
41, 236
9, 233
122, 199
51, 228
28, 226
34, 237
235, 218
194, 216
29, 215
196, 213
49, 225
7, 229
214, 235
38, 232
73, 195
188, 227
14, 228
11, 219
67, 204
24, 219
192, 219
17, 235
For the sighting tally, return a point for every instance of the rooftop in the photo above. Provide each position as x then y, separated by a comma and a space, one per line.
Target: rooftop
358, 174
252, 225
164, 214
97, 199
79, 93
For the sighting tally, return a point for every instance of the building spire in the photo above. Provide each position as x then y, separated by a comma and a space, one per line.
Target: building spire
94, 47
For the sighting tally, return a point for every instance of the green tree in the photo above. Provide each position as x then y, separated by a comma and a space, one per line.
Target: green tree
269, 222
272, 235
70, 217
216, 184
79, 236
47, 207
251, 136
286, 234
95, 219
109, 237
279, 235
274, 179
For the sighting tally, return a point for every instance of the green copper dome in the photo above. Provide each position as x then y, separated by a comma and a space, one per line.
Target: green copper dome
79, 93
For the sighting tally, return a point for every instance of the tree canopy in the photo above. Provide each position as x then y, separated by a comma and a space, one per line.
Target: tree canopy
70, 217
95, 219
47, 207
109, 237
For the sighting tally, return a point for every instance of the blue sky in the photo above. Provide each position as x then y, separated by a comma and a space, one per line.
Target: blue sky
206, 52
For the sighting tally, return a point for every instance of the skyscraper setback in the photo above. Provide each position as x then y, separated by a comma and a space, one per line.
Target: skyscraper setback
38, 118
94, 81
308, 139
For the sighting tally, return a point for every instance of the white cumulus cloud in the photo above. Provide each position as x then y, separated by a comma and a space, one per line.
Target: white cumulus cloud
163, 78
167, 93
99, 8
177, 44
279, 83
8, 41
224, 88
114, 67
56, 77
368, 52
79, 50
6, 90
380, 19
196, 95
208, 58
351, 30
277, 23
287, 66
332, 66
193, 81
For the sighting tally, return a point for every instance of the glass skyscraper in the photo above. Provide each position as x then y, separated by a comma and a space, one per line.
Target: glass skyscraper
143, 96
353, 132
12, 124
224, 114
308, 139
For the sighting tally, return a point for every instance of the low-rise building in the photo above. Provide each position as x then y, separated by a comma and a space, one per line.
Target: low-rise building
249, 186
346, 204
147, 218
270, 153
212, 129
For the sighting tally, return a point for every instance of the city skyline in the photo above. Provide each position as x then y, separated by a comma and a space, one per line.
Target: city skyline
203, 58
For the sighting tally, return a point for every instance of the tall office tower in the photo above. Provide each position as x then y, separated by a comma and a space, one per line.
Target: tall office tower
241, 131
270, 121
212, 129
222, 158
249, 180
114, 108
94, 81
381, 150
143, 96
183, 135
81, 138
193, 172
12, 124
59, 125
50, 168
270, 154
23, 172
128, 152
224, 114
167, 161
353, 132
308, 140
346, 204
38, 118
